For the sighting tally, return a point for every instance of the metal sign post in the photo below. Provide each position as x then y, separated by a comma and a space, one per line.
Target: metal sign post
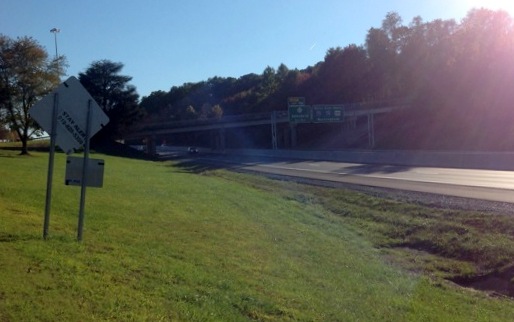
71, 128
84, 173
51, 158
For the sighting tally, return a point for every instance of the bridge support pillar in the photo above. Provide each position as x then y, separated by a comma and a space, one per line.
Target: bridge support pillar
220, 143
218, 139
151, 145
286, 138
371, 131
274, 142
293, 135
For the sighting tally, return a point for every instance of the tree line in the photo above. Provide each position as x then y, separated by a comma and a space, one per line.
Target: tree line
458, 76
27, 74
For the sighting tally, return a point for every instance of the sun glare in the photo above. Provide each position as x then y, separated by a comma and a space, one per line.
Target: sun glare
506, 5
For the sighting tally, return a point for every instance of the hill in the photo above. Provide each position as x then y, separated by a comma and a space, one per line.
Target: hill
457, 75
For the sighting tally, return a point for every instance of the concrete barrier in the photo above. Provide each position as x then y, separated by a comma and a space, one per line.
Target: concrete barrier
464, 160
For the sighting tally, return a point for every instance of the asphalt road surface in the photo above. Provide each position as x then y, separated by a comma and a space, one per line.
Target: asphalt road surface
469, 183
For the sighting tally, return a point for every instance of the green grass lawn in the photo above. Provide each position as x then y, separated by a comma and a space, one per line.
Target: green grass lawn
162, 243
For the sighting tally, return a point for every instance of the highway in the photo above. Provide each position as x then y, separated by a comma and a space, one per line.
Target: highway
488, 185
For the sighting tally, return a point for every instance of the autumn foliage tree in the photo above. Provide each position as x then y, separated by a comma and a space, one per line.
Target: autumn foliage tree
26, 75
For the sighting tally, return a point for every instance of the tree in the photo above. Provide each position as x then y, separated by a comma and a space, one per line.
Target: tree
116, 97
154, 102
343, 75
282, 72
217, 112
4, 133
269, 82
190, 113
26, 75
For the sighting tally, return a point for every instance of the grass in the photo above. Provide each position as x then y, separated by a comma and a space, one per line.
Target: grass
164, 243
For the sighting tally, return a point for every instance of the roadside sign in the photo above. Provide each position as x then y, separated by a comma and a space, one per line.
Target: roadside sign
299, 114
295, 101
327, 113
74, 168
72, 114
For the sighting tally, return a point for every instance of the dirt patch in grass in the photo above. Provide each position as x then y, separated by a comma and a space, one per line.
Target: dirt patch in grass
497, 283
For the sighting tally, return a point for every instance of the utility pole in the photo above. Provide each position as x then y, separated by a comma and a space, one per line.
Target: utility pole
55, 31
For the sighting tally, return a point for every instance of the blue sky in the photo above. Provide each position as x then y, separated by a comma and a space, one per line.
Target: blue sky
165, 43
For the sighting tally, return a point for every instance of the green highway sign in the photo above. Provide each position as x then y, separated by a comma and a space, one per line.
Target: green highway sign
299, 114
327, 113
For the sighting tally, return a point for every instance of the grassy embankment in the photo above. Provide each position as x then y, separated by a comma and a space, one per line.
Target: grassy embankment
164, 243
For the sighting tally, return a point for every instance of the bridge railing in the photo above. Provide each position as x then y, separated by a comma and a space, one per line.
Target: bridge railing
223, 119
280, 115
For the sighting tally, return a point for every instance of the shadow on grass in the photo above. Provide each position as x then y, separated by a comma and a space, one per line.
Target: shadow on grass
499, 283
9, 238
31, 149
196, 166
119, 150
107, 148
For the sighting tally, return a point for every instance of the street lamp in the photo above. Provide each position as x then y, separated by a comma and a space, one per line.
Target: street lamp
55, 31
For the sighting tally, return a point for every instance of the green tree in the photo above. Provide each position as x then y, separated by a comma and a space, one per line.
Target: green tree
282, 72
427, 57
26, 75
115, 95
269, 82
154, 102
343, 75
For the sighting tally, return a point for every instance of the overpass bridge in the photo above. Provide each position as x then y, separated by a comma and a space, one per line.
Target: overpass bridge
151, 132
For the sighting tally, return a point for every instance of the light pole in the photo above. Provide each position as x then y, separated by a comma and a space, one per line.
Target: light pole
55, 31
51, 157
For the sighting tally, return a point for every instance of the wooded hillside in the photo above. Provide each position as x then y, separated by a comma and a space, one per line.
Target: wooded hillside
459, 77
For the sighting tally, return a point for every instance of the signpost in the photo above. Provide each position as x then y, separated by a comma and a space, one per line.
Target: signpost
72, 117
301, 113
95, 173
295, 101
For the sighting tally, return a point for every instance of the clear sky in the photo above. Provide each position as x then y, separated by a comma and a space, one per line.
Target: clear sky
165, 43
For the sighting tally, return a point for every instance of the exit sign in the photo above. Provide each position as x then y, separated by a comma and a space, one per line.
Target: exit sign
327, 113
300, 114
